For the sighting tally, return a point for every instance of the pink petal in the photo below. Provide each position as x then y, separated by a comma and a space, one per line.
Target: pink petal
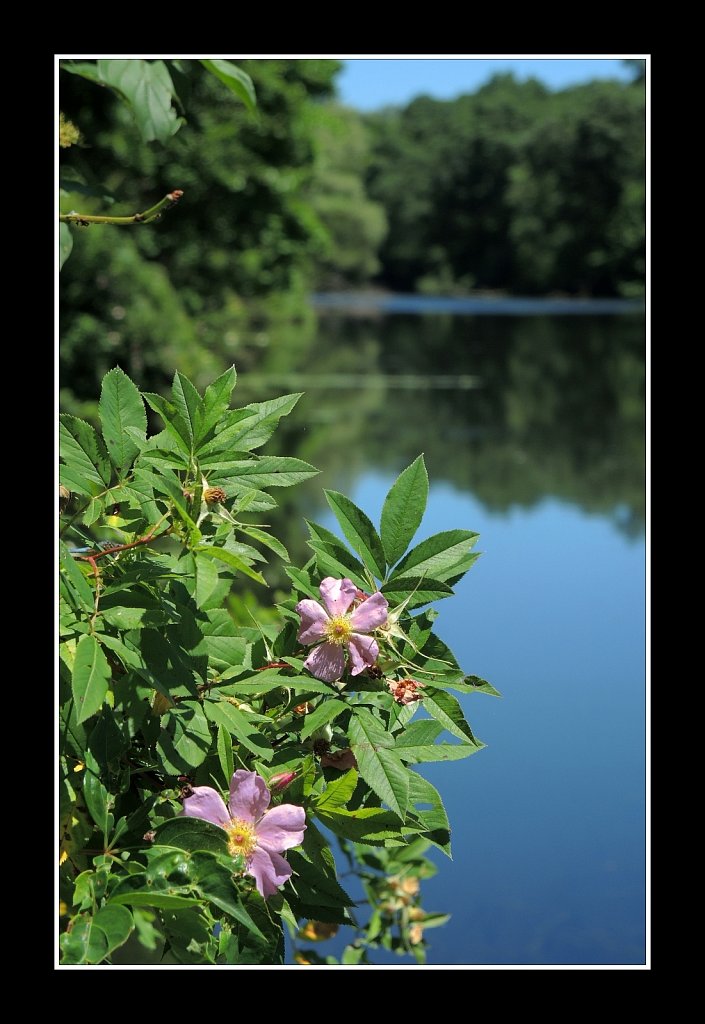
314, 619
370, 614
205, 803
363, 652
281, 828
337, 595
249, 796
269, 871
326, 662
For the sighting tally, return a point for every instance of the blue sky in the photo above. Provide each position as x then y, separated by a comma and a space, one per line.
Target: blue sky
372, 83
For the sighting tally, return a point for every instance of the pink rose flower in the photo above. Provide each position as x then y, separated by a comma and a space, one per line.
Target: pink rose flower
258, 834
339, 630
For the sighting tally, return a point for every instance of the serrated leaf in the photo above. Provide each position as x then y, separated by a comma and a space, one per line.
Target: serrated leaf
316, 886
90, 677
214, 880
65, 244
83, 451
184, 739
237, 724
432, 556
216, 399
235, 79
121, 409
325, 713
171, 418
78, 590
381, 769
187, 833
148, 89
260, 424
269, 542
478, 685
403, 509
434, 818
419, 591
438, 752
445, 708
302, 582
206, 579
225, 753
359, 532
189, 406
340, 564
337, 793
84, 944
232, 561
370, 825
271, 471
96, 795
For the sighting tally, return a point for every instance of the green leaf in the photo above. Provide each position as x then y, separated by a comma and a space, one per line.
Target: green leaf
184, 739
225, 714
337, 793
214, 880
185, 833
476, 685
148, 89
434, 818
435, 554
418, 591
106, 742
259, 425
116, 923
78, 590
65, 244
136, 892
85, 69
322, 715
84, 944
225, 753
232, 561
437, 752
370, 825
189, 406
216, 400
302, 582
341, 563
90, 678
271, 471
269, 542
420, 732
381, 769
173, 421
82, 450
403, 509
445, 708
121, 407
316, 886
206, 579
235, 79
96, 795
359, 532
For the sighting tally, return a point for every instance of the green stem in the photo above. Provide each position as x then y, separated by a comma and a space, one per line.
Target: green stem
154, 212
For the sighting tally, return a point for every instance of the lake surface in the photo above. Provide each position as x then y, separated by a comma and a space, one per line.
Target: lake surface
532, 427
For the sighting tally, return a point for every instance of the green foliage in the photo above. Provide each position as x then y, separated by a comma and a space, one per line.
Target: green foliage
162, 690
515, 188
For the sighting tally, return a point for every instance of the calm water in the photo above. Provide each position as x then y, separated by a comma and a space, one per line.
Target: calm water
533, 432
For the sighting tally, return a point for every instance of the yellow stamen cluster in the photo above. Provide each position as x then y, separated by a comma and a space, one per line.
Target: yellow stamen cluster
338, 630
242, 838
69, 134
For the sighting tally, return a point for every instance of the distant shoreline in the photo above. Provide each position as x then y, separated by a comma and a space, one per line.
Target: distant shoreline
375, 303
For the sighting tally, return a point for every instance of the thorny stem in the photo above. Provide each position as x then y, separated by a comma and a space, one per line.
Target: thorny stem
153, 213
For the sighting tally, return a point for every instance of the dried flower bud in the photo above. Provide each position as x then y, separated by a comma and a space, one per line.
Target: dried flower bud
188, 495
405, 691
303, 709
341, 760
64, 497
318, 931
281, 780
150, 836
214, 495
